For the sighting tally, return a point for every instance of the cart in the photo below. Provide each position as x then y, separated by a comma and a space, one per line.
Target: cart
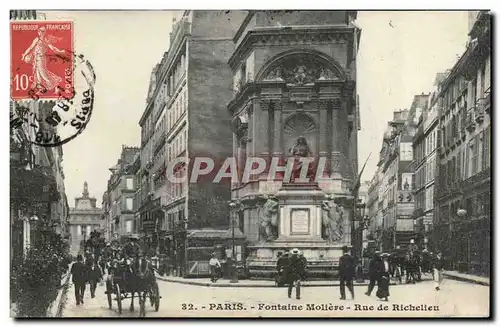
118, 284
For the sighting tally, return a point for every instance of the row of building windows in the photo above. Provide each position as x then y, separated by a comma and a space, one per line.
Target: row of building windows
430, 142
177, 110
179, 189
172, 219
469, 161
178, 145
475, 205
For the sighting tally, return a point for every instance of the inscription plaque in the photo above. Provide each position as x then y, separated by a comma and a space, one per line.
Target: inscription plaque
299, 222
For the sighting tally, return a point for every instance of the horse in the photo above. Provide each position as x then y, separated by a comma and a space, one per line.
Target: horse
412, 261
140, 281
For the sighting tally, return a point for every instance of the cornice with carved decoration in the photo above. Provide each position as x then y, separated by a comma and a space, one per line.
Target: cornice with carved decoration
292, 36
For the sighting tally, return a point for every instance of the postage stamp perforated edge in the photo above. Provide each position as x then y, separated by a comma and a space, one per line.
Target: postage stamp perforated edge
71, 51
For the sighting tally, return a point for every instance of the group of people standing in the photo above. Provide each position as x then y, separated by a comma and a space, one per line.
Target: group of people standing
83, 272
292, 269
91, 269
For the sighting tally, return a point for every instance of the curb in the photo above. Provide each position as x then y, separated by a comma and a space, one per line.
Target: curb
465, 279
57, 307
209, 284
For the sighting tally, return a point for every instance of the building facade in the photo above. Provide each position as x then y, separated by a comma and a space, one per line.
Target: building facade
189, 89
425, 166
391, 209
119, 196
37, 194
463, 202
84, 218
294, 77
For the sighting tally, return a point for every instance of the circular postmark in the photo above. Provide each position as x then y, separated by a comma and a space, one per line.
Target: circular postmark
58, 120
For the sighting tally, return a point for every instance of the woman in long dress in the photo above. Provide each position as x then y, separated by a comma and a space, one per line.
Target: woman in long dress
36, 54
383, 281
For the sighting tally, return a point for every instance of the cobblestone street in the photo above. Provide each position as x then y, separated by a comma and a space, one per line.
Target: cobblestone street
457, 299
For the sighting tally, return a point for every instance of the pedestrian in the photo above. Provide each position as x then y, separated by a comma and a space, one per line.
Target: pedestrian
214, 268
281, 264
295, 271
384, 280
373, 272
438, 266
95, 276
79, 276
347, 267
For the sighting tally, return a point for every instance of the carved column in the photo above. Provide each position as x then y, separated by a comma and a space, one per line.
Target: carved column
324, 132
336, 154
261, 128
323, 127
278, 146
235, 154
249, 132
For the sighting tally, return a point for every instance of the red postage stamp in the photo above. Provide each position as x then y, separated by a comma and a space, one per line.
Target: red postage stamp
41, 59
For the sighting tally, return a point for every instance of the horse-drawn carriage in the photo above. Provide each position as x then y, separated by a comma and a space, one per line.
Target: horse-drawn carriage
125, 280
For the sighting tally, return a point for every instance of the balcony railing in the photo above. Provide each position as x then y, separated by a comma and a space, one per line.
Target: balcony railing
479, 110
470, 123
487, 100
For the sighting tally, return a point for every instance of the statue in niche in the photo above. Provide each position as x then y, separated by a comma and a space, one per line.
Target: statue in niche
274, 75
268, 215
301, 150
299, 75
327, 74
332, 221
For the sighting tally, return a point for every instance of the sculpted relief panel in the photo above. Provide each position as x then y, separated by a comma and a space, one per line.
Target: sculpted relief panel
300, 70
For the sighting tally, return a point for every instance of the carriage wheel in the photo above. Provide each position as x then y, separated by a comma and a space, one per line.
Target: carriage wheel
156, 295
108, 293
119, 299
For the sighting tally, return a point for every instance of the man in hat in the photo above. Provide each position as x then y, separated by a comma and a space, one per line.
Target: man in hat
79, 276
215, 266
295, 272
438, 266
373, 271
281, 264
347, 267
132, 248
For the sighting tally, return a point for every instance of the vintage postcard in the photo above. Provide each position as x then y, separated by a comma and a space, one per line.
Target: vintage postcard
250, 163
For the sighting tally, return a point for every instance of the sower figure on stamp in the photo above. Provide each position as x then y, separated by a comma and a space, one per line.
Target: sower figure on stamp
373, 271
36, 54
347, 267
79, 276
295, 272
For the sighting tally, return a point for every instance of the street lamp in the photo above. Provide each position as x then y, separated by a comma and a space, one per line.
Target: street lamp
359, 217
235, 209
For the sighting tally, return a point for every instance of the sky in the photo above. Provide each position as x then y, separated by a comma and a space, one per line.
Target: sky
399, 56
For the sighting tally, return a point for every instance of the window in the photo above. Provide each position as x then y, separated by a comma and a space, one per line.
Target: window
130, 204
128, 226
130, 183
486, 148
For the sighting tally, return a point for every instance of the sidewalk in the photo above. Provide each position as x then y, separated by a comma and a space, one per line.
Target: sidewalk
252, 283
485, 281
